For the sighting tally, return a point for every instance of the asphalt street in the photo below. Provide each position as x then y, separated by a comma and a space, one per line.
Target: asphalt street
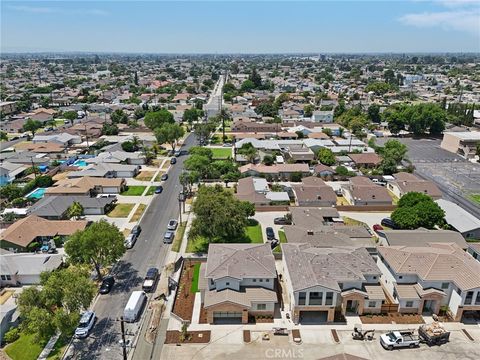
149, 251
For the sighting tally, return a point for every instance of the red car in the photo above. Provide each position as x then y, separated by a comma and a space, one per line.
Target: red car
377, 228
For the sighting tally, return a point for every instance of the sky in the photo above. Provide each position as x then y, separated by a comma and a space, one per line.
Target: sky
241, 26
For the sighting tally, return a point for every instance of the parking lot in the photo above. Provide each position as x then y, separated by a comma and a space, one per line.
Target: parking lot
318, 344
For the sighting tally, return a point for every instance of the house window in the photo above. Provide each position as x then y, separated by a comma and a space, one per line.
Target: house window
374, 278
261, 306
400, 277
468, 298
9, 277
261, 280
3, 277
301, 298
267, 280
315, 298
409, 304
329, 298
254, 280
372, 303
445, 285
477, 300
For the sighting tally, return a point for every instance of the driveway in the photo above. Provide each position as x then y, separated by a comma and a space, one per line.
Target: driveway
369, 218
266, 220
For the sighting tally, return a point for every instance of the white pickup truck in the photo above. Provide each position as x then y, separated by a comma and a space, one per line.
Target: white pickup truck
399, 339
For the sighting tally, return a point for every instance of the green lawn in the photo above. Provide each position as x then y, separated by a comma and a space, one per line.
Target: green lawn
196, 273
475, 198
254, 233
179, 236
59, 348
151, 190
135, 190
283, 240
121, 210
221, 153
25, 348
199, 244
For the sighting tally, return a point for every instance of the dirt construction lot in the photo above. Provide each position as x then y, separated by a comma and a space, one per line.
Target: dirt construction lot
318, 344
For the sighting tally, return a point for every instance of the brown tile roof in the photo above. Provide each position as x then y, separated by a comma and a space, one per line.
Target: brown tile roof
411, 183
240, 261
365, 158
40, 147
363, 189
438, 262
275, 169
25, 230
82, 185
423, 237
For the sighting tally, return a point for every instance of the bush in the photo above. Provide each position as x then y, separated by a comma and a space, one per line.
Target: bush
11, 335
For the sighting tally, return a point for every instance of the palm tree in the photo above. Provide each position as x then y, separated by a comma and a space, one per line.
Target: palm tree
135, 142
75, 210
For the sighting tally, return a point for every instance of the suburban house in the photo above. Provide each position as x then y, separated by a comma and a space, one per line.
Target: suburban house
10, 171
277, 171
322, 116
319, 280
365, 160
246, 125
422, 279
117, 157
461, 143
460, 219
25, 268
32, 228
420, 237
362, 191
87, 186
300, 154
107, 170
256, 191
63, 139
43, 115
404, 183
8, 107
314, 192
238, 282
55, 207
53, 150
323, 170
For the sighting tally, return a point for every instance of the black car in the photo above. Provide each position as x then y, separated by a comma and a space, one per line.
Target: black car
164, 177
152, 274
274, 244
158, 189
388, 223
173, 161
136, 230
107, 285
281, 221
270, 233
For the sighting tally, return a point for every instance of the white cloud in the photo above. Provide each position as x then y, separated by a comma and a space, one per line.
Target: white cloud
460, 20
33, 9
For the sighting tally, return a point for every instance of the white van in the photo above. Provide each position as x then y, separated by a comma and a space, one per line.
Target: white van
134, 306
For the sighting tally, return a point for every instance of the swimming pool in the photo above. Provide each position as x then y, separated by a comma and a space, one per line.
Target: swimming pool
80, 162
38, 193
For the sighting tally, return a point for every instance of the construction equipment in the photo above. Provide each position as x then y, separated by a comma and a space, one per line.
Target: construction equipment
280, 331
359, 334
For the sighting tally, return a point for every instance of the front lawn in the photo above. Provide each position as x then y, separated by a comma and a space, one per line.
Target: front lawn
25, 348
150, 191
145, 175
283, 239
121, 210
136, 190
196, 273
254, 233
475, 198
221, 153
138, 213
159, 175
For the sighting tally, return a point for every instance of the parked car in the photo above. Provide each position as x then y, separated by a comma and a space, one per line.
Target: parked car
150, 280
168, 237
130, 241
85, 325
388, 223
170, 153
399, 339
270, 233
158, 189
173, 161
107, 285
177, 153
281, 221
377, 228
172, 224
164, 177
136, 230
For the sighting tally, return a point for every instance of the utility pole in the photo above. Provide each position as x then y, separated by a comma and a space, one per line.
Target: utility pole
124, 344
33, 167
86, 134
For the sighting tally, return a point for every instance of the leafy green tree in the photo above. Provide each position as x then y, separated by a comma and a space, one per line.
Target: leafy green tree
326, 156
198, 163
188, 179
247, 86
308, 110
70, 116
268, 160
219, 216
249, 151
255, 78
373, 113
266, 108
10, 192
380, 88
119, 117
418, 210
110, 129
32, 126
156, 119
101, 244
200, 150
169, 133
3, 136
230, 177
190, 115
75, 210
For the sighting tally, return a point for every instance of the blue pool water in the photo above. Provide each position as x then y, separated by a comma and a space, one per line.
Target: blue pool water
80, 162
38, 193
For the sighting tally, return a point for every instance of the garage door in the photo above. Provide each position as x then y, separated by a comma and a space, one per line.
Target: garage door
313, 317
227, 317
